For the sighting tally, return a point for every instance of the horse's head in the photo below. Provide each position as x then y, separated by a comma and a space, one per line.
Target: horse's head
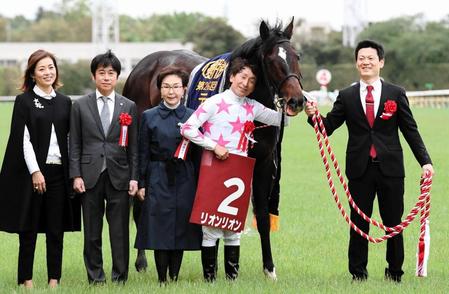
280, 62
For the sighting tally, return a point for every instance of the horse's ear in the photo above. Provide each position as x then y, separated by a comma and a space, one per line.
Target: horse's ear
289, 29
264, 30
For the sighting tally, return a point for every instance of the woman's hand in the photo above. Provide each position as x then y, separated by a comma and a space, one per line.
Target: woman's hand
38, 182
221, 152
141, 194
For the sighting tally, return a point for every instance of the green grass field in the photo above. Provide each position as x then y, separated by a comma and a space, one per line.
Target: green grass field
310, 250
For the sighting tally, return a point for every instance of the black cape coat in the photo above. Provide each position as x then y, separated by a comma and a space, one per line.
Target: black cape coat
16, 190
170, 183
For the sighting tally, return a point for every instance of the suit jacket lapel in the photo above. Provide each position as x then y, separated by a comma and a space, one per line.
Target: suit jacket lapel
118, 108
383, 98
358, 104
92, 103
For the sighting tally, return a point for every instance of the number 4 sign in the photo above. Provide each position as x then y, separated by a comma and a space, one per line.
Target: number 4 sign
223, 192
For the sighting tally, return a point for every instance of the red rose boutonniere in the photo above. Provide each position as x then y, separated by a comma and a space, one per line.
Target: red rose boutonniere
125, 120
390, 108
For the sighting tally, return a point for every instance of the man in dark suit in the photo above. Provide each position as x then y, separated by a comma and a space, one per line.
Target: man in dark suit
102, 169
374, 111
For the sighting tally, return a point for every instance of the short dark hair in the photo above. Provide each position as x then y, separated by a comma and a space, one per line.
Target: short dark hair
370, 44
172, 70
238, 64
35, 57
105, 60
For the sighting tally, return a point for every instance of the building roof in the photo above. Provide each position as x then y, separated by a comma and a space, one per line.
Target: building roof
128, 53
79, 51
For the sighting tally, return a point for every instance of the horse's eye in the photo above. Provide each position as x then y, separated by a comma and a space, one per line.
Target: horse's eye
298, 55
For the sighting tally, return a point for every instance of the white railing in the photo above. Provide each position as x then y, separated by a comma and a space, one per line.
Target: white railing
12, 98
7, 98
431, 98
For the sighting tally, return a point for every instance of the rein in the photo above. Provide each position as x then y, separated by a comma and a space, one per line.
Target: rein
422, 206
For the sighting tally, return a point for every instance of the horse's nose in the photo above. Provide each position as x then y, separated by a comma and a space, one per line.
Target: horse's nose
295, 103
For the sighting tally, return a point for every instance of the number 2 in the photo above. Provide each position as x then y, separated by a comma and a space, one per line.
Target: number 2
224, 206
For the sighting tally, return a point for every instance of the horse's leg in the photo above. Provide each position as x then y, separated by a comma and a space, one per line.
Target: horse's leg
141, 263
262, 185
273, 204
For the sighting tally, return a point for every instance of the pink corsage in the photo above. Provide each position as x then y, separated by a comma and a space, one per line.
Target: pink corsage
125, 120
390, 108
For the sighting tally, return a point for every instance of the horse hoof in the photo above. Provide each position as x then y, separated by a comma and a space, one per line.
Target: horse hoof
271, 275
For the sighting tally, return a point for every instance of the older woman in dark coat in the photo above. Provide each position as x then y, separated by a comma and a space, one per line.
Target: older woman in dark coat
167, 184
34, 181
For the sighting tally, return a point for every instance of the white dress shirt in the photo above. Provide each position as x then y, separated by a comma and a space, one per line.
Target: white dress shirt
54, 154
100, 103
376, 94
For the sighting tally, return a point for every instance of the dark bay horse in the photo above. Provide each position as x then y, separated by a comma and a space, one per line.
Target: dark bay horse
278, 74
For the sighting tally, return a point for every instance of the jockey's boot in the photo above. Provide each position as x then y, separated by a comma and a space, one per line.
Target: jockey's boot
209, 261
141, 261
231, 256
217, 248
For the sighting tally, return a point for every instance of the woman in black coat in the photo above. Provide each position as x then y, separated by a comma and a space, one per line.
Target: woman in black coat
34, 176
167, 184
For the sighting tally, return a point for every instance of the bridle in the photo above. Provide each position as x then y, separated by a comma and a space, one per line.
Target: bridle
280, 101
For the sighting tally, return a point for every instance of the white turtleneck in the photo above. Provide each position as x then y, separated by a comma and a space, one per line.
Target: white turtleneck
171, 107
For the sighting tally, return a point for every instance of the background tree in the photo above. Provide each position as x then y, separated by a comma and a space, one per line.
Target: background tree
10, 80
76, 77
158, 27
213, 36
417, 55
416, 51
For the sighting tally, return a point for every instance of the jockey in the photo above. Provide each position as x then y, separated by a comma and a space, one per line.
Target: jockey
225, 119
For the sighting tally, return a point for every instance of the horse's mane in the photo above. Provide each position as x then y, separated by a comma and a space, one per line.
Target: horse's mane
254, 49
256, 46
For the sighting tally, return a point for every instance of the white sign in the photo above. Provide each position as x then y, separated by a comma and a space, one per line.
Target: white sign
323, 77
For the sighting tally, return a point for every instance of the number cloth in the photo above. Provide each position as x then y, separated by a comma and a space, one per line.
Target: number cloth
229, 181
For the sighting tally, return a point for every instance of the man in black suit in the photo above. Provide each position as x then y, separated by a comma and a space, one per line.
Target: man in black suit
374, 111
102, 169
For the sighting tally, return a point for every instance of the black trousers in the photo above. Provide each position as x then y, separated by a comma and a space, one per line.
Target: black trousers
104, 195
390, 196
47, 211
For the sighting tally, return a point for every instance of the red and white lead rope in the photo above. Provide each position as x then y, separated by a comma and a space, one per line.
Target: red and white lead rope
423, 204
424, 236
